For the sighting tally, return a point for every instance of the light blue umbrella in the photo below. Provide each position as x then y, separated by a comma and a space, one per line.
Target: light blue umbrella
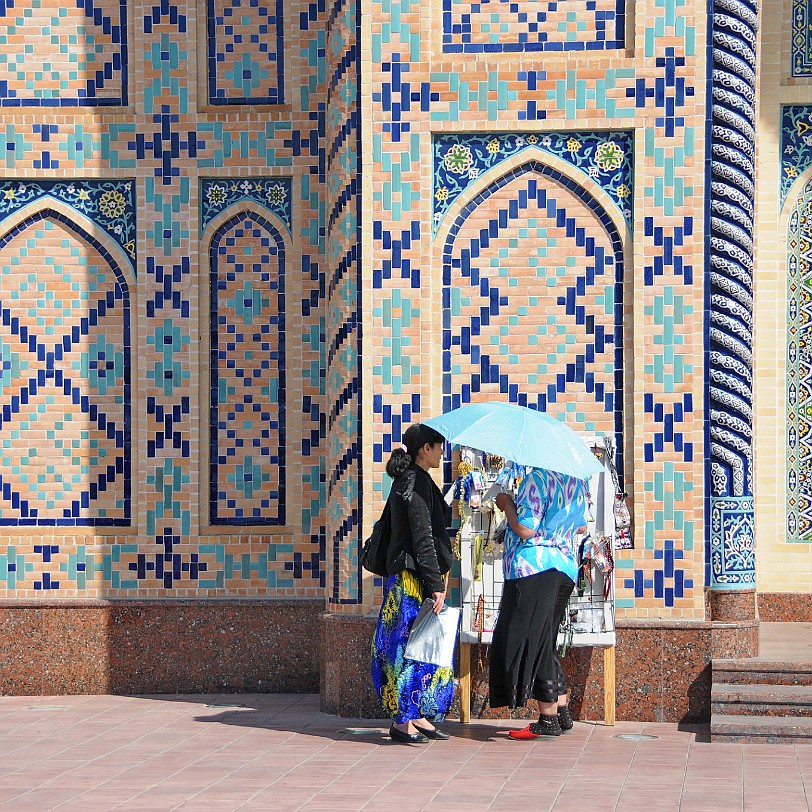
526, 436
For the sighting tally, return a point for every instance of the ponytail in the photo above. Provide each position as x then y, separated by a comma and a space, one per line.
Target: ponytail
414, 438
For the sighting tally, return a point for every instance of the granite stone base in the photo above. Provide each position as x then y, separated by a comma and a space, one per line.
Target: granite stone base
159, 647
662, 670
785, 607
733, 605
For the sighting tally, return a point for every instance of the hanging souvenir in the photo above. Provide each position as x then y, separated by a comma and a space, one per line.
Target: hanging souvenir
623, 520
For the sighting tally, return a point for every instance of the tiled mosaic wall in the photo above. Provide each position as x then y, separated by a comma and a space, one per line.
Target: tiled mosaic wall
163, 391
781, 362
620, 347
529, 224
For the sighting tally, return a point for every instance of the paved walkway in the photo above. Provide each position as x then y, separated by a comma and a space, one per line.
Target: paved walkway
279, 753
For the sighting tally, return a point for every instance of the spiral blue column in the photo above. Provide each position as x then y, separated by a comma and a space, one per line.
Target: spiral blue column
729, 296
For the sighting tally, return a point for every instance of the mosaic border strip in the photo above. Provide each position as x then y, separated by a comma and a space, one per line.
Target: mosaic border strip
279, 518
801, 38
460, 159
799, 372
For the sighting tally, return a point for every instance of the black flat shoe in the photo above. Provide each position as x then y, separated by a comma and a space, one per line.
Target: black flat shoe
436, 734
565, 718
406, 738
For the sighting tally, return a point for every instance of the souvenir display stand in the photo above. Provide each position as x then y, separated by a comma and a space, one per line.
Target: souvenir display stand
590, 618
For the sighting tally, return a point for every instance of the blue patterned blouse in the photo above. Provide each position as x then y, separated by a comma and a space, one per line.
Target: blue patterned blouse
555, 506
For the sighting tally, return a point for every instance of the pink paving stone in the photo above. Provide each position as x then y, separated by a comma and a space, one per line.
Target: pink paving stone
176, 756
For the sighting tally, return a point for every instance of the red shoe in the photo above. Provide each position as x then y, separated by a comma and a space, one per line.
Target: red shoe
524, 734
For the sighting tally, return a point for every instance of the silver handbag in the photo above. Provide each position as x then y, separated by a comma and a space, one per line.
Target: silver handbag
433, 637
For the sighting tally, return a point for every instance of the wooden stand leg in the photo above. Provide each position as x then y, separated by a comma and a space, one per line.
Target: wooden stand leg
609, 685
465, 682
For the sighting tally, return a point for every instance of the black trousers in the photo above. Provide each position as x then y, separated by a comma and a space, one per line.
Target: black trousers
524, 662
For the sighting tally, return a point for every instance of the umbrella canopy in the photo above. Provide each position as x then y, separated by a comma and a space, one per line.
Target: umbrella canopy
526, 436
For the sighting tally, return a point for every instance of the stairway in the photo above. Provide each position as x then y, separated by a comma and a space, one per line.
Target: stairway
761, 700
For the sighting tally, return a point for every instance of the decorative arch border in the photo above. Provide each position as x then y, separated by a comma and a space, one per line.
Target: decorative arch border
794, 415
603, 160
243, 207
264, 194
571, 176
595, 199
46, 208
106, 208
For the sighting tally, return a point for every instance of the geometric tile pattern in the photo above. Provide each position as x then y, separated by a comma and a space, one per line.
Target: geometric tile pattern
494, 26
342, 290
668, 583
167, 144
65, 380
460, 159
533, 308
799, 370
58, 54
245, 52
801, 42
655, 95
273, 194
796, 144
247, 373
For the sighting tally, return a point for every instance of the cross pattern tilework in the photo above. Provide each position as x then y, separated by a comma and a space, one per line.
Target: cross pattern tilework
247, 373
511, 26
65, 391
167, 143
799, 371
533, 309
63, 54
652, 94
245, 52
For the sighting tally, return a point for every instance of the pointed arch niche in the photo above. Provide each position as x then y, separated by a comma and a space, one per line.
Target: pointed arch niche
246, 328
65, 371
532, 260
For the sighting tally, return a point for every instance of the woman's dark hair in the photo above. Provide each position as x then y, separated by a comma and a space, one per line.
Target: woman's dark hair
414, 438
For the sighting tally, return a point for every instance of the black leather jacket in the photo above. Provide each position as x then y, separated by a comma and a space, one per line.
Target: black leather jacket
419, 540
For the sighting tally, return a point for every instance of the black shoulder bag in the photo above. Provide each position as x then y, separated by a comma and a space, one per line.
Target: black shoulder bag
373, 553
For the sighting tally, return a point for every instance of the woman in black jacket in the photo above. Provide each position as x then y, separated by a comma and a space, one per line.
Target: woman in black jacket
419, 556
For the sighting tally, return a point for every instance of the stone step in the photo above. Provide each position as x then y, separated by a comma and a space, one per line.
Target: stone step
761, 700
764, 672
763, 729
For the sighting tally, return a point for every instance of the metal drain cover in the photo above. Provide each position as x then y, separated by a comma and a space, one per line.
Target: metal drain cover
47, 707
635, 737
225, 705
